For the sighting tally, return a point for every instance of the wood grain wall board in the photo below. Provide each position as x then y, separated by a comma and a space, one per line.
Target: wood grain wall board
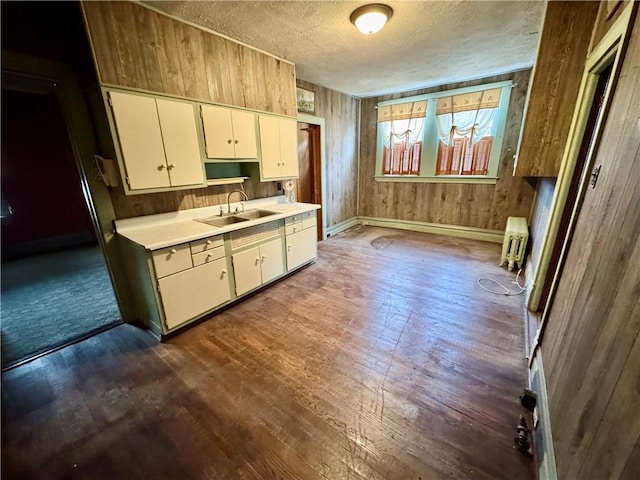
137, 47
341, 114
632, 467
555, 84
149, 67
588, 346
608, 13
168, 55
480, 206
127, 206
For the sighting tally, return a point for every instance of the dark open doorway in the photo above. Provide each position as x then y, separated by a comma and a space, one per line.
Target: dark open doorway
309, 182
565, 230
55, 284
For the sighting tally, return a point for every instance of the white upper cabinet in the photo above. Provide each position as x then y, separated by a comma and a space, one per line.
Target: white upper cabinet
158, 141
229, 133
279, 147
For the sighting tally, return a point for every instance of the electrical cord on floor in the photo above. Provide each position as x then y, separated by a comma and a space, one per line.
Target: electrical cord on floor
506, 292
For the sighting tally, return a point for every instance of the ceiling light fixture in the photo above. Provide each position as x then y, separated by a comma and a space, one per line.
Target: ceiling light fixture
371, 18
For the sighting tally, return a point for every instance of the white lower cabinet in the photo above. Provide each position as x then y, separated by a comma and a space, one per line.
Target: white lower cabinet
190, 293
301, 248
302, 243
257, 265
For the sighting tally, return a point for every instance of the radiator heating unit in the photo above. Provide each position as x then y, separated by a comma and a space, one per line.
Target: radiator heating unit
515, 242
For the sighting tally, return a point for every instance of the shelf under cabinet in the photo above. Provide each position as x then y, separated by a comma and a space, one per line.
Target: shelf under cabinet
225, 181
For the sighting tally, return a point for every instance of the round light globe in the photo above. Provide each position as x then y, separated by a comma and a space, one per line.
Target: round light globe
371, 18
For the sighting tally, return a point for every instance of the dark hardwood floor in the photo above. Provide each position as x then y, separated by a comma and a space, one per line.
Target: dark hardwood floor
383, 360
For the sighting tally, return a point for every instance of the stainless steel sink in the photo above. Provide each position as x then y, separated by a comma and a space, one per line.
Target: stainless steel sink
257, 213
221, 221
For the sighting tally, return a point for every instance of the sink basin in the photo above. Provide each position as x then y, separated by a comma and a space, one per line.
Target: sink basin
252, 214
221, 221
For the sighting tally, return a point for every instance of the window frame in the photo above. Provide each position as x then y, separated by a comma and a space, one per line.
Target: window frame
430, 138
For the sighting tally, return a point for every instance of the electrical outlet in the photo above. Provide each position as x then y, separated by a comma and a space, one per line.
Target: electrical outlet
279, 185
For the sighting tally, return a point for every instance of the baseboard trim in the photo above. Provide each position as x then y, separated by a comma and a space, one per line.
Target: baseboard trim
334, 230
542, 436
472, 233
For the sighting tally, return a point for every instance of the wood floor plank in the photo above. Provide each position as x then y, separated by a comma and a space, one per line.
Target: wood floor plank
383, 360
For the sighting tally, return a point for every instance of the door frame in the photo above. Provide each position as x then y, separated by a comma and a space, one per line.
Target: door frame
319, 121
609, 51
82, 139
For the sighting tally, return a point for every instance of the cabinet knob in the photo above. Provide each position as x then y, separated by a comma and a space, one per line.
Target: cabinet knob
171, 166
263, 257
257, 260
161, 167
224, 272
236, 142
229, 141
173, 251
209, 256
209, 242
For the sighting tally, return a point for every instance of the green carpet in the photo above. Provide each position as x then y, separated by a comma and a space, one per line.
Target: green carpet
50, 299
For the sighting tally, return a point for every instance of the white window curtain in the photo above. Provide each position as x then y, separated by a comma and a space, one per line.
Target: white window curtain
466, 127
400, 127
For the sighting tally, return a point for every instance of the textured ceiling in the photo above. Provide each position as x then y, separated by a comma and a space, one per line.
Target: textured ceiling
425, 43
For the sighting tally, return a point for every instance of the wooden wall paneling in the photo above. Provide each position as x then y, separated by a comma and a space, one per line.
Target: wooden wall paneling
168, 55
216, 68
127, 206
235, 74
137, 47
101, 36
192, 63
591, 337
555, 83
149, 67
632, 467
479, 206
608, 12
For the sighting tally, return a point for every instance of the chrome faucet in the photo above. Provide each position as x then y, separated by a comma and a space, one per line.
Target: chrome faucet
229, 200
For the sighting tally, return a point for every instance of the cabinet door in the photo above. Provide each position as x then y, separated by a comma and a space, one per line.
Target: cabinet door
270, 146
180, 137
301, 247
189, 294
218, 131
271, 260
246, 270
289, 147
244, 134
140, 138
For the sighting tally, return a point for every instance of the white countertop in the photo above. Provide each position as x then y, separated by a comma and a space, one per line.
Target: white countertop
167, 229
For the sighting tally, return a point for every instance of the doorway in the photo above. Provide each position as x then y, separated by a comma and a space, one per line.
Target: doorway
572, 204
56, 288
308, 186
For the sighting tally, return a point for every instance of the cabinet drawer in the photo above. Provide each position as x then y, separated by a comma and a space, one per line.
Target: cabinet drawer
309, 221
293, 219
292, 228
172, 260
208, 256
206, 244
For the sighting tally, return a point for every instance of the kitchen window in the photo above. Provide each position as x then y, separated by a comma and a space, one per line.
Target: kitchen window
453, 136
